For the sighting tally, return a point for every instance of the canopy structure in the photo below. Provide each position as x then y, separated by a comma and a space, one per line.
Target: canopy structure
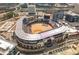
26, 36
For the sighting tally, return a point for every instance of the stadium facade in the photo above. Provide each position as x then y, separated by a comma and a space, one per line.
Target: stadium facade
28, 42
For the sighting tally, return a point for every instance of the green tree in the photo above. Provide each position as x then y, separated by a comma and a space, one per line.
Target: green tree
9, 15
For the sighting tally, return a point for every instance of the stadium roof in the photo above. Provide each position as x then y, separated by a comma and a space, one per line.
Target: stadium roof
26, 36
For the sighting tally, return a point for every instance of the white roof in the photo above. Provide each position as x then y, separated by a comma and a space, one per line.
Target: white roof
4, 45
26, 36
71, 30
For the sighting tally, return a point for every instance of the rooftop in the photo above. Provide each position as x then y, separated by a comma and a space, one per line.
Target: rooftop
5, 47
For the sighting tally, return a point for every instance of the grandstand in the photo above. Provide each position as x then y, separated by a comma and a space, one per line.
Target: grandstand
31, 36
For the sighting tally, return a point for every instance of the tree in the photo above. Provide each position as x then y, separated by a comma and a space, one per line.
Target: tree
9, 15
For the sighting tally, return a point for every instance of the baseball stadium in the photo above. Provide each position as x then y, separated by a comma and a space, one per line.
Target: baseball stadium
37, 34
